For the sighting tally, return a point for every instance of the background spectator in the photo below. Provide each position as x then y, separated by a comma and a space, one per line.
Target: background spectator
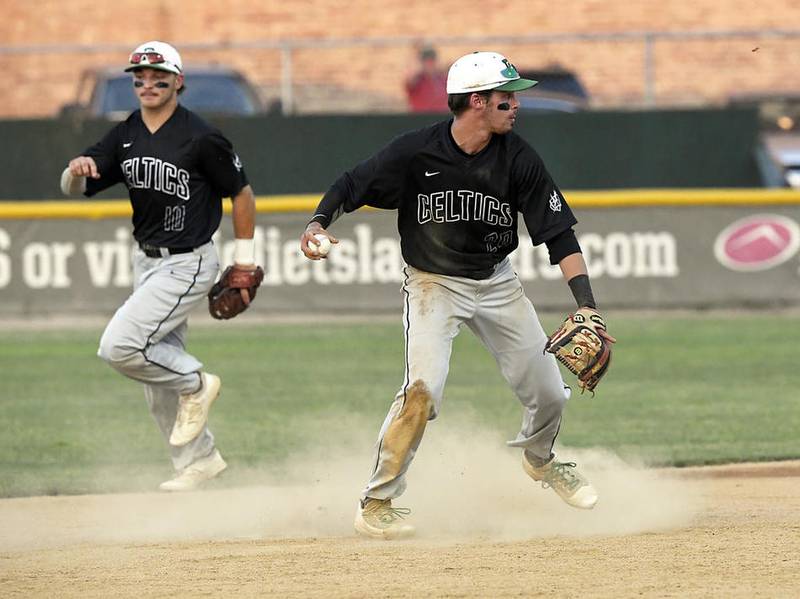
426, 88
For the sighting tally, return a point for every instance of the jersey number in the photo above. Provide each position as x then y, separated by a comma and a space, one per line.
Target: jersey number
495, 241
174, 217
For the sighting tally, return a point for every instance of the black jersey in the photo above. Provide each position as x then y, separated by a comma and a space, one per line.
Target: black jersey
457, 213
176, 177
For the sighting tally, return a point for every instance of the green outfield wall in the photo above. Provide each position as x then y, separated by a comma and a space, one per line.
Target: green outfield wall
297, 155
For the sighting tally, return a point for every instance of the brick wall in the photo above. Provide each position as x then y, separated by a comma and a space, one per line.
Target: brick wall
685, 71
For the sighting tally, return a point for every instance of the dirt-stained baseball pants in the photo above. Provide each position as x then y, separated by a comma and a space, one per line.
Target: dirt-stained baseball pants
498, 312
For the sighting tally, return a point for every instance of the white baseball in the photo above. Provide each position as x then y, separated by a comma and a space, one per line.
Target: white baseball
323, 248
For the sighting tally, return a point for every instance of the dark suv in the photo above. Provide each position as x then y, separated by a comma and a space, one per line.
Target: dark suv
210, 91
558, 90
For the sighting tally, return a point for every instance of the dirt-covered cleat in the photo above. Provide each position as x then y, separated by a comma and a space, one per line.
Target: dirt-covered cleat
377, 518
193, 411
564, 479
196, 473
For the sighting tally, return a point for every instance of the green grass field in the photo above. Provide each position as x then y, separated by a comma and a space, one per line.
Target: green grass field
682, 390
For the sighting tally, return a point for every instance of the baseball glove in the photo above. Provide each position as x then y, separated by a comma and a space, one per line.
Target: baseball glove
225, 298
582, 344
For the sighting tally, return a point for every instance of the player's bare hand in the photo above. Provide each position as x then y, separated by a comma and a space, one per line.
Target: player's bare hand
84, 166
311, 245
604, 334
245, 293
599, 322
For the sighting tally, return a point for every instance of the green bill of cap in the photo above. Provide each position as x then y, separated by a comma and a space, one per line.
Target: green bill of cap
517, 85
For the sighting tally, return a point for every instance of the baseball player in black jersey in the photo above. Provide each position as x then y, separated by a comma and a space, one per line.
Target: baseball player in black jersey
459, 187
177, 168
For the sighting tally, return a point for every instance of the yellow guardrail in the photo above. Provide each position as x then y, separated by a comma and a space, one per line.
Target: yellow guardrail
98, 209
681, 197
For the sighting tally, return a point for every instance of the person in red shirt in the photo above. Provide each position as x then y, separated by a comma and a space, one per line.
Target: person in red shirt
427, 87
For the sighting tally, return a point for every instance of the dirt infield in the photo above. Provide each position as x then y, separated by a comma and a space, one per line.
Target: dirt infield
703, 532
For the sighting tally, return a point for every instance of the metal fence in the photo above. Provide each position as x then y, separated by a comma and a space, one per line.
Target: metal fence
625, 68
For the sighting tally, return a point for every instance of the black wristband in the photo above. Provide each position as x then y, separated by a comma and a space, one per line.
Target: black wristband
582, 290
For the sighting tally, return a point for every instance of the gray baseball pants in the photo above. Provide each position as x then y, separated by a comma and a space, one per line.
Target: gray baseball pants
498, 312
145, 339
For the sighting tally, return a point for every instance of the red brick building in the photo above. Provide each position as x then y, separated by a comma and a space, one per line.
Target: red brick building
373, 45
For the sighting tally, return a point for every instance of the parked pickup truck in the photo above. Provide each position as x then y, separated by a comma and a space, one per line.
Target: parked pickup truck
210, 91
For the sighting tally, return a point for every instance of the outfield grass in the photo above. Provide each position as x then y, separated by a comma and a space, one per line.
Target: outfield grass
681, 390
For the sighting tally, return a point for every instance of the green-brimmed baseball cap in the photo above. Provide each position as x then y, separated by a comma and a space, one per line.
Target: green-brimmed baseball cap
481, 71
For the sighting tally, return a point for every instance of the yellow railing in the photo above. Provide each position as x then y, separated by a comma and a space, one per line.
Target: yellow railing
97, 209
614, 198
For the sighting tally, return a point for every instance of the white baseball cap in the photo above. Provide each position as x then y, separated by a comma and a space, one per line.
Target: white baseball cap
481, 71
156, 55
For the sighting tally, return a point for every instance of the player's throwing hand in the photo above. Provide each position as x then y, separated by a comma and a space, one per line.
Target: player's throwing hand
312, 244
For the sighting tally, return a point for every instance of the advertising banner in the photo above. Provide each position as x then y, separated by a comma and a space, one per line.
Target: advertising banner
639, 257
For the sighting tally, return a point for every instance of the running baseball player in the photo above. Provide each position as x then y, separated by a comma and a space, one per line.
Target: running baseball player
177, 168
458, 187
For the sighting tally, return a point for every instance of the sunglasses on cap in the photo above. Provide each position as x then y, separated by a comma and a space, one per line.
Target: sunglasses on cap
147, 57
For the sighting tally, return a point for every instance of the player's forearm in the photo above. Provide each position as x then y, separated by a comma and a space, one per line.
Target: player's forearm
346, 194
244, 223
573, 267
330, 208
244, 213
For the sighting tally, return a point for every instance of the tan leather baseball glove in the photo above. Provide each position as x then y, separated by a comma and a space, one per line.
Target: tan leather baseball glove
583, 345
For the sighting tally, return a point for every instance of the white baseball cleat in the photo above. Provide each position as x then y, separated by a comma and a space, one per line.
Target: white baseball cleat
193, 410
564, 479
196, 473
376, 518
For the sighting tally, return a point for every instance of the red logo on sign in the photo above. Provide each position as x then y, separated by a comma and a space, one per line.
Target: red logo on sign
757, 242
